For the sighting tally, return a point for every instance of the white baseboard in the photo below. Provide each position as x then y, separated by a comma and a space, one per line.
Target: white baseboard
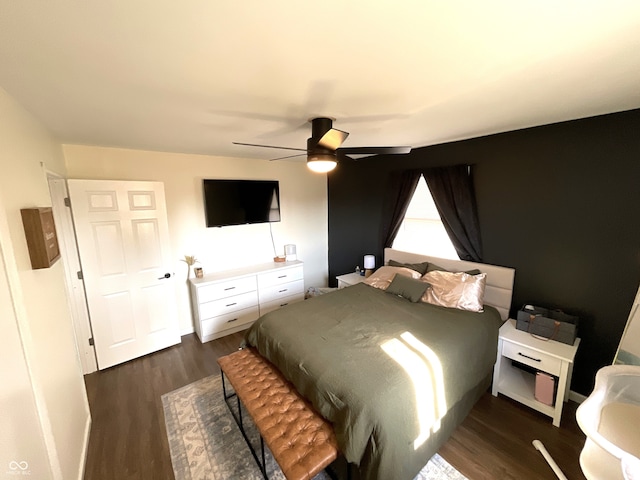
187, 331
576, 397
85, 446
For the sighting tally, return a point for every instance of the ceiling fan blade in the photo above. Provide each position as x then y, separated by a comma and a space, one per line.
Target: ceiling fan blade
356, 157
333, 139
374, 150
270, 146
288, 156
353, 157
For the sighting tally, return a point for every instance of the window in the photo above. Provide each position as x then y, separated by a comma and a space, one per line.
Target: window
422, 230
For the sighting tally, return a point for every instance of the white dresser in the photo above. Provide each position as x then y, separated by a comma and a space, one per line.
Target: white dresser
227, 302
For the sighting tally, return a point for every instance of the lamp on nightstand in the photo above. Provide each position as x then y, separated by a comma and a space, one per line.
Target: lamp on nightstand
369, 264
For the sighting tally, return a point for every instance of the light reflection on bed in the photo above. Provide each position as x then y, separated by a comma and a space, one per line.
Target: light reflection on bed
423, 367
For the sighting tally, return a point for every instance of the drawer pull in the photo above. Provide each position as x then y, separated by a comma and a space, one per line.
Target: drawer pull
530, 358
229, 288
280, 291
232, 320
232, 304
282, 276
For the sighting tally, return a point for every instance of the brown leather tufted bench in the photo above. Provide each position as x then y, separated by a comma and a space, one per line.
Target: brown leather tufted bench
301, 441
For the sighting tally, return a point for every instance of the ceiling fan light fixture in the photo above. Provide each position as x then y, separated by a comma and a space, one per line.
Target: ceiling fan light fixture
321, 162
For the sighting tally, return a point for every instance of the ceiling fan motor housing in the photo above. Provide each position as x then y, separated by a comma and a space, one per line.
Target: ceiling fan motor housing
314, 148
320, 126
324, 138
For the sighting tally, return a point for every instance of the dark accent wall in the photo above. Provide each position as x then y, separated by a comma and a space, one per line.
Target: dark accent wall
559, 203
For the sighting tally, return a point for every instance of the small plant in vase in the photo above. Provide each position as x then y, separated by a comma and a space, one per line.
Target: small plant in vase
190, 260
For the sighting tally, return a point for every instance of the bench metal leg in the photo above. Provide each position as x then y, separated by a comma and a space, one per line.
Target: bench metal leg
238, 418
333, 469
224, 387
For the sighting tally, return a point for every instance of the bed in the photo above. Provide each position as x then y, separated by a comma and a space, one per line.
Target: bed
393, 374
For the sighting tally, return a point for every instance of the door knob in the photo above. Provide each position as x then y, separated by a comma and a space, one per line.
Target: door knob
166, 275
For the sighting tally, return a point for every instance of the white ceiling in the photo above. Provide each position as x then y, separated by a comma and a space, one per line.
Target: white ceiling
193, 76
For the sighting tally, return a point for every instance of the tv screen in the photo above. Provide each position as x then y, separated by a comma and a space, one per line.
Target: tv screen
238, 202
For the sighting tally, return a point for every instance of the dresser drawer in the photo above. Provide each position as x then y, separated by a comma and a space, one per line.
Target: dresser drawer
229, 320
279, 276
271, 294
282, 302
228, 305
531, 357
215, 291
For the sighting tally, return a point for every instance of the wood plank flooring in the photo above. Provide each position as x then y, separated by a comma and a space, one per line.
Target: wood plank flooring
128, 438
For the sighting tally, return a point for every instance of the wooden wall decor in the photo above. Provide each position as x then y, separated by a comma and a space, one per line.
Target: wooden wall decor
42, 241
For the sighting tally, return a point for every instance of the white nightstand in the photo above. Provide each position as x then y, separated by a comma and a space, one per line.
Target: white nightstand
349, 279
551, 357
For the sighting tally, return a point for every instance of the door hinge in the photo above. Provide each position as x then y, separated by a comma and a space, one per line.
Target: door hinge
91, 341
67, 202
80, 276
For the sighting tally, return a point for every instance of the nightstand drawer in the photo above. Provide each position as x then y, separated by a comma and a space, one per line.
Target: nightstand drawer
533, 358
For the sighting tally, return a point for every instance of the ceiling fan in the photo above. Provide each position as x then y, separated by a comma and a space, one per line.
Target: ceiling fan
323, 147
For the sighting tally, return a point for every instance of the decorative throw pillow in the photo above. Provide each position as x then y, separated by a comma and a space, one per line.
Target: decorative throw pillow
382, 277
418, 267
473, 271
455, 290
407, 287
437, 268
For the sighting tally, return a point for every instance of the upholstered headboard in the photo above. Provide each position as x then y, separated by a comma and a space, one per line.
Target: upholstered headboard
499, 287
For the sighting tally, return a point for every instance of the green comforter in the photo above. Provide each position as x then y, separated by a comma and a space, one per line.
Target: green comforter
383, 370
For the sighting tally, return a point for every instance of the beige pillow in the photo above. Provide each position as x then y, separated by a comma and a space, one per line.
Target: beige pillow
382, 277
455, 290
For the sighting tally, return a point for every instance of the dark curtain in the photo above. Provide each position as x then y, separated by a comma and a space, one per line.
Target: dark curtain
454, 195
403, 185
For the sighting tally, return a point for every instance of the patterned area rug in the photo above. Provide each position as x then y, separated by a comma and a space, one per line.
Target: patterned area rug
206, 443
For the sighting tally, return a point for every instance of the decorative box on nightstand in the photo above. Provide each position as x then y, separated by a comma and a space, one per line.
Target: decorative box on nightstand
533, 354
349, 279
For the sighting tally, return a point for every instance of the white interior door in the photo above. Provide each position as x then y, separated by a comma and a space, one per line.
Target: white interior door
123, 240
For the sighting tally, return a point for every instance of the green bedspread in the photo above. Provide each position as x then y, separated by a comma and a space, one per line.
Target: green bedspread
380, 368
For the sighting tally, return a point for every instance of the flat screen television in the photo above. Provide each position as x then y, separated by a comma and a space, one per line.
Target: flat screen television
239, 202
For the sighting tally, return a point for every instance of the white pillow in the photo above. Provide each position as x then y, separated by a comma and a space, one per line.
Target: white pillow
383, 277
455, 290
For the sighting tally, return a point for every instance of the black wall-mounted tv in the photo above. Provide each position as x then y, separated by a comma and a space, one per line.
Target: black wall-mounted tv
239, 202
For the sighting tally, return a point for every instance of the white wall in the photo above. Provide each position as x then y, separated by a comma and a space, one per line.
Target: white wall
44, 413
21, 434
303, 197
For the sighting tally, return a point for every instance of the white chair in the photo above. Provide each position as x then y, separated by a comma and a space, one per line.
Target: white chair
610, 418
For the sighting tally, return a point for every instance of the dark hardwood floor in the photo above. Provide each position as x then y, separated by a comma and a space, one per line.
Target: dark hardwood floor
128, 439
